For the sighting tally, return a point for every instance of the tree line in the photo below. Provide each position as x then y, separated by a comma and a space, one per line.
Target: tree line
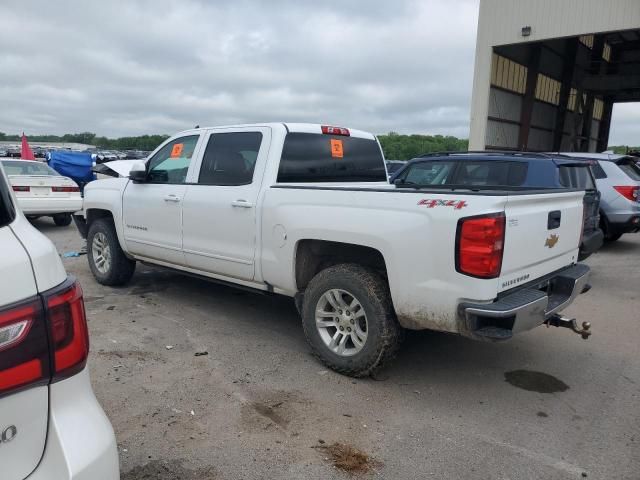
394, 145
142, 142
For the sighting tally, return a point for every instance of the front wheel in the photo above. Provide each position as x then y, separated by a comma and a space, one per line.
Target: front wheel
348, 320
108, 263
62, 219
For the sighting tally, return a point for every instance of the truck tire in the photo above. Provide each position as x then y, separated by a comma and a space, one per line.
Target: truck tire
62, 219
348, 319
108, 263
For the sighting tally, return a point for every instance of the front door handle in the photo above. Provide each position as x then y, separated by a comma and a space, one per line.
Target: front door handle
241, 204
171, 198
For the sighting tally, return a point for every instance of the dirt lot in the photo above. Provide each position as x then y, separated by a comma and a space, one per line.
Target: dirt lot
257, 405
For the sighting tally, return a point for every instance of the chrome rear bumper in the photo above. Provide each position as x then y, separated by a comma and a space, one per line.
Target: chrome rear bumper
525, 308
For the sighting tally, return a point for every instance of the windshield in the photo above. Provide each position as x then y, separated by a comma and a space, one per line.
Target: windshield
13, 167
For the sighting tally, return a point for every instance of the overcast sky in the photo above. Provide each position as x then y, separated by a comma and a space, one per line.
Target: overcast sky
123, 68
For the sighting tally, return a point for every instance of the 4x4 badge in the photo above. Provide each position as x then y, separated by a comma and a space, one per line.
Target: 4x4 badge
551, 241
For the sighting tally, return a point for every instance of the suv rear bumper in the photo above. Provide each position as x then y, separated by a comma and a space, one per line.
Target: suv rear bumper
624, 223
527, 307
81, 444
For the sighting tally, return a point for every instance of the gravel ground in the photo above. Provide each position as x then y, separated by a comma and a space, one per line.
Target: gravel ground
203, 381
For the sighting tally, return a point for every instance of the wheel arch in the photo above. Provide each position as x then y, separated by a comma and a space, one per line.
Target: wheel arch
313, 256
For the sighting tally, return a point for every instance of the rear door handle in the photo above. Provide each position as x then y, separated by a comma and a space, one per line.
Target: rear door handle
171, 198
240, 203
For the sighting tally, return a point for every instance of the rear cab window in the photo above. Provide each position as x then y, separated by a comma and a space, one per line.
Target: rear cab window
315, 158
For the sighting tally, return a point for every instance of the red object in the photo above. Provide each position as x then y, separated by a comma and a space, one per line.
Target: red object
69, 329
65, 189
629, 192
53, 342
18, 188
480, 245
26, 153
328, 130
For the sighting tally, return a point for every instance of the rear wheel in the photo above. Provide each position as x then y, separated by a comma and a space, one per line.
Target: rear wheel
610, 235
348, 320
62, 219
107, 261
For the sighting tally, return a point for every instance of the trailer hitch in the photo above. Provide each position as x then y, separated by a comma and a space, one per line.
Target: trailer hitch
571, 323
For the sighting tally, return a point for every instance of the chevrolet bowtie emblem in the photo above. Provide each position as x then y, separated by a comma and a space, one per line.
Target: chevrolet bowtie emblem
551, 241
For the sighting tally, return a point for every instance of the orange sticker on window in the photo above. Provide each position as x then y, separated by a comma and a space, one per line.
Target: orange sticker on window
177, 150
336, 148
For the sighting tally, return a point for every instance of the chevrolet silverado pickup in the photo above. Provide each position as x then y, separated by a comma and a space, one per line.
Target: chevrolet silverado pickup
306, 211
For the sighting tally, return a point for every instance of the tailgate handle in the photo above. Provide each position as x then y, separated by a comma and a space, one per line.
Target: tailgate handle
554, 219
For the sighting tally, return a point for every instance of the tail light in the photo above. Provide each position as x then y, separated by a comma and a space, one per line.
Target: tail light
24, 349
20, 188
65, 189
327, 130
584, 219
480, 245
43, 339
629, 192
69, 334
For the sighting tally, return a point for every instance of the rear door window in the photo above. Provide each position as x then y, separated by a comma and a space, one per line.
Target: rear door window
575, 176
429, 173
230, 158
491, 173
312, 158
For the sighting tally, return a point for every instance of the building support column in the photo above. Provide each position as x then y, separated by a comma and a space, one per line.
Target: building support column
568, 69
526, 111
605, 125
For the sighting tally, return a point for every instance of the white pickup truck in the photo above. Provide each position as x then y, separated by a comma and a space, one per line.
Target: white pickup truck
306, 211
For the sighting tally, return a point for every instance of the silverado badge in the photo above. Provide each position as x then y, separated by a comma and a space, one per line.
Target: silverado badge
551, 241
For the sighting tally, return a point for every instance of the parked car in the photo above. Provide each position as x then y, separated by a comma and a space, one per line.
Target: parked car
51, 425
307, 211
507, 170
41, 191
618, 180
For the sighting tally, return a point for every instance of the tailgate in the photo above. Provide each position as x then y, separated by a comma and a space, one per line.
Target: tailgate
542, 235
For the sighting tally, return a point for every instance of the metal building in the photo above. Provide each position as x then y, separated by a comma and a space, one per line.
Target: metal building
548, 72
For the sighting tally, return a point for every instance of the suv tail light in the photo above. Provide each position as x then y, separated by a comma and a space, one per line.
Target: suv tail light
65, 189
24, 349
328, 130
43, 339
629, 192
69, 334
480, 245
20, 188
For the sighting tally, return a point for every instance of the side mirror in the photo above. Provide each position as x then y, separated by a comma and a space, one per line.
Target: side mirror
138, 172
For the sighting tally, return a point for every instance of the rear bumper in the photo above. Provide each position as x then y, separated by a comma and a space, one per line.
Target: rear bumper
81, 444
525, 308
624, 223
49, 205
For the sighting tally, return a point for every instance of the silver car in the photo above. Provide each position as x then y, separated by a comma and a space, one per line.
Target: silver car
618, 180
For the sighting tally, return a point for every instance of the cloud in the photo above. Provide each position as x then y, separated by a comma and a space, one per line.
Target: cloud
158, 66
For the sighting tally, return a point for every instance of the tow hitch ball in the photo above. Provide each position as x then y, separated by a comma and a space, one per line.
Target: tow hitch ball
560, 321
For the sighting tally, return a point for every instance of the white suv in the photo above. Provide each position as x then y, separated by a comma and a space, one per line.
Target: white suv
51, 425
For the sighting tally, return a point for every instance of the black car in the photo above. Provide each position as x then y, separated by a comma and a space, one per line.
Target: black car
514, 170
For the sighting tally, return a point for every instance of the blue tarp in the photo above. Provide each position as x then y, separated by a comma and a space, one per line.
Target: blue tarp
75, 165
